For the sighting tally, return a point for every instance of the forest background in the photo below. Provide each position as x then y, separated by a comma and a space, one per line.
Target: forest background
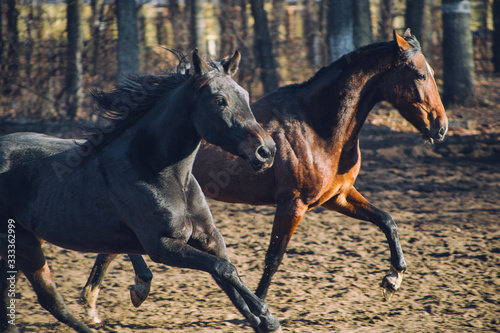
53, 52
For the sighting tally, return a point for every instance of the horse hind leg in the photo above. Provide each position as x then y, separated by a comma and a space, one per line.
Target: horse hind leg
31, 261
90, 292
143, 276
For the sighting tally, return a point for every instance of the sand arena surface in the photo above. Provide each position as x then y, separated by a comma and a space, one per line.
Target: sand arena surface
445, 201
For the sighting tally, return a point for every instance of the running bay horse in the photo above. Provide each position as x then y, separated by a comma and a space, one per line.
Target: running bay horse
129, 188
316, 128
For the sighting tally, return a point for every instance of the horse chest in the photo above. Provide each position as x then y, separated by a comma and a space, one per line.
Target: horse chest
326, 180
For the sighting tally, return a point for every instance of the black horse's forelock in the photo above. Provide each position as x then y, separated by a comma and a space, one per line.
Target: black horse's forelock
133, 97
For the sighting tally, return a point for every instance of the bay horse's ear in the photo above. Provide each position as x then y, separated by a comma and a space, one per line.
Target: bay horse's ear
231, 66
402, 43
200, 66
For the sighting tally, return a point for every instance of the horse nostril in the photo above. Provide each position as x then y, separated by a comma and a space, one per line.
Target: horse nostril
263, 153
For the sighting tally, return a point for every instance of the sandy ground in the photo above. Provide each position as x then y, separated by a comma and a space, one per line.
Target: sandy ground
445, 200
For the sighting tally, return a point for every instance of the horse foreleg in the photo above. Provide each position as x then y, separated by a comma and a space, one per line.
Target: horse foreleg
353, 204
143, 276
286, 220
90, 291
177, 253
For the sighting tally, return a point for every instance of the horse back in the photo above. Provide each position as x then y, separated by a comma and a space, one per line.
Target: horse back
18, 149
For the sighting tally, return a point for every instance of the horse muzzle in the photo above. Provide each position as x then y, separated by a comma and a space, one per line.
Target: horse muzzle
437, 130
263, 157
259, 150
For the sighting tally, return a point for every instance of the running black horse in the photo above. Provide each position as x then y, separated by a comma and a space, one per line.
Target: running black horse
128, 188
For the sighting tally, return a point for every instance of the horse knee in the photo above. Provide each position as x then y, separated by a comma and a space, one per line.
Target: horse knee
225, 271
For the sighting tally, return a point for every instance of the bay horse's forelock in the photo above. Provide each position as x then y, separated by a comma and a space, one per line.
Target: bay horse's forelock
316, 126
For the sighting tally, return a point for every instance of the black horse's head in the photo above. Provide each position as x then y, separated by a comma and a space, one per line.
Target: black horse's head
223, 116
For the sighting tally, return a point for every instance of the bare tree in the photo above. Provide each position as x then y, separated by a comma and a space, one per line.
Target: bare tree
311, 34
229, 27
198, 26
74, 58
496, 38
177, 18
385, 19
10, 68
458, 62
97, 21
362, 23
339, 35
128, 50
414, 17
263, 47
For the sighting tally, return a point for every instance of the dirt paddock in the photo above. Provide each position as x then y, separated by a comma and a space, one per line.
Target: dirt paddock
445, 200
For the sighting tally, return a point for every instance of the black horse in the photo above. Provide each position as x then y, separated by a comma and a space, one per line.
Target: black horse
128, 188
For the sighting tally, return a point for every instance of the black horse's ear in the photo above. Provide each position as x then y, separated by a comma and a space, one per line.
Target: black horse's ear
200, 66
231, 66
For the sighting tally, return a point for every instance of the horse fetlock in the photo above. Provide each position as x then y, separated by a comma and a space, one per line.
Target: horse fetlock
269, 324
391, 282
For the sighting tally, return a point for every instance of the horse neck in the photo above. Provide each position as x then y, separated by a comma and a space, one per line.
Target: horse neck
165, 138
343, 96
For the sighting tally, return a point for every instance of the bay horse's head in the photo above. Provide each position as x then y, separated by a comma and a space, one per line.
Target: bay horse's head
223, 116
413, 91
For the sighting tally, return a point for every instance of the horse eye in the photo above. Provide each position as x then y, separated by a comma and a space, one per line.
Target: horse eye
422, 76
221, 101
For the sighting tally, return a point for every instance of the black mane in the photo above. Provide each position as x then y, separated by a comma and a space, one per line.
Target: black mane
133, 97
338, 65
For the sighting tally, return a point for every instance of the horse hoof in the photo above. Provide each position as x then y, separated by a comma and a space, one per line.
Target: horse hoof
391, 283
279, 330
139, 292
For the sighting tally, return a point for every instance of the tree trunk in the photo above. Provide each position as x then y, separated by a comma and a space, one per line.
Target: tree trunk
496, 36
458, 62
278, 18
177, 18
414, 18
385, 22
1, 36
97, 23
362, 23
311, 35
141, 28
161, 27
339, 28
229, 27
74, 58
263, 47
128, 49
198, 26
10, 69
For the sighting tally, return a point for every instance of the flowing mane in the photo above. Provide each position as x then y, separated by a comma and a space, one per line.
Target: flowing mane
134, 96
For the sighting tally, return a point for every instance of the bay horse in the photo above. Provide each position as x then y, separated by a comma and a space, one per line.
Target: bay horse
128, 188
316, 126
